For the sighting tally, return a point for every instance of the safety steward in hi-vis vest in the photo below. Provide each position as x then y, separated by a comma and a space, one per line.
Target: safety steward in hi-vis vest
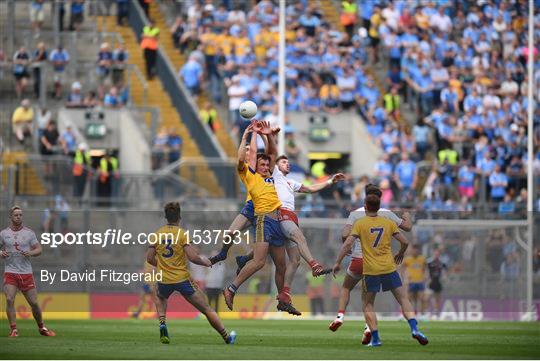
81, 169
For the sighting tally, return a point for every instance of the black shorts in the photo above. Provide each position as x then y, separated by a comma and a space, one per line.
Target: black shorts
374, 41
435, 286
19, 76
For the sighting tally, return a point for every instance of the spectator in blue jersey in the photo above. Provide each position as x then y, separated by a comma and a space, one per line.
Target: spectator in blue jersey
405, 176
104, 64
76, 15
498, 182
120, 59
421, 133
68, 141
466, 178
384, 168
191, 74
507, 205
112, 99
174, 144
374, 128
310, 22
59, 58
75, 97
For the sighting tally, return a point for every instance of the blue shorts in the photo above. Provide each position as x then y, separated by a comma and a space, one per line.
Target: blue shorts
269, 230
185, 288
416, 287
387, 282
146, 288
249, 211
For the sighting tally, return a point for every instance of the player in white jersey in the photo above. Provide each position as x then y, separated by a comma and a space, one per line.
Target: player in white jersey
355, 269
17, 245
286, 189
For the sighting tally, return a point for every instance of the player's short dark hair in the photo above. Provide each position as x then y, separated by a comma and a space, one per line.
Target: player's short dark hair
172, 212
263, 156
13, 209
283, 156
373, 189
373, 203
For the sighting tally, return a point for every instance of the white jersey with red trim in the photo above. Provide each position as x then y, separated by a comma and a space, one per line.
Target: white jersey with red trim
14, 242
361, 213
285, 188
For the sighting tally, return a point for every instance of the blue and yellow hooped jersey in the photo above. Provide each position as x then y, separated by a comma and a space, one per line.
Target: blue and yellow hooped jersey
262, 190
171, 259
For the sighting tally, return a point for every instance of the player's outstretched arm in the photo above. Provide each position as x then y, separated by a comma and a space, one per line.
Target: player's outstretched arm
252, 161
194, 256
151, 256
338, 177
272, 146
398, 258
345, 248
242, 148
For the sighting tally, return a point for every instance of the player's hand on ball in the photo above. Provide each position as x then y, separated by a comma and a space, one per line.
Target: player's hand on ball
335, 269
4, 254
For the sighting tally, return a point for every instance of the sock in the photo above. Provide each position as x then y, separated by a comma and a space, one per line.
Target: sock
13, 326
413, 324
161, 320
341, 314
225, 335
375, 336
40, 325
232, 288
366, 328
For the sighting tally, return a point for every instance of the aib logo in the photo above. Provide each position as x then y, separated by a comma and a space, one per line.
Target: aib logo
269, 180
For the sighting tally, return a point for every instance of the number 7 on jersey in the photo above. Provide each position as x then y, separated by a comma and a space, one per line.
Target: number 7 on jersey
379, 231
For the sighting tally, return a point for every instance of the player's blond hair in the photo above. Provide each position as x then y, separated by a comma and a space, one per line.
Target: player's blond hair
13, 209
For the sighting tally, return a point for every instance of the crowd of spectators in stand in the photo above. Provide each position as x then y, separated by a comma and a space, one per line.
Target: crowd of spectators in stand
110, 91
325, 68
462, 70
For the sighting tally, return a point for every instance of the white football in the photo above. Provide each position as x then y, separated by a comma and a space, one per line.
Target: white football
248, 109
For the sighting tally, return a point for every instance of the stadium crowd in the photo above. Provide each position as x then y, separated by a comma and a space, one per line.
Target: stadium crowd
463, 68
459, 70
325, 68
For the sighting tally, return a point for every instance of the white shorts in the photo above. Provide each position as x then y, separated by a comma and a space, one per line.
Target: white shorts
37, 14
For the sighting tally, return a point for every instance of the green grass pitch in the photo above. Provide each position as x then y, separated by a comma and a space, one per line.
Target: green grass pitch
266, 339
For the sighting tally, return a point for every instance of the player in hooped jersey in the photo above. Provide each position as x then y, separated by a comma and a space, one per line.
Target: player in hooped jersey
17, 245
354, 271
